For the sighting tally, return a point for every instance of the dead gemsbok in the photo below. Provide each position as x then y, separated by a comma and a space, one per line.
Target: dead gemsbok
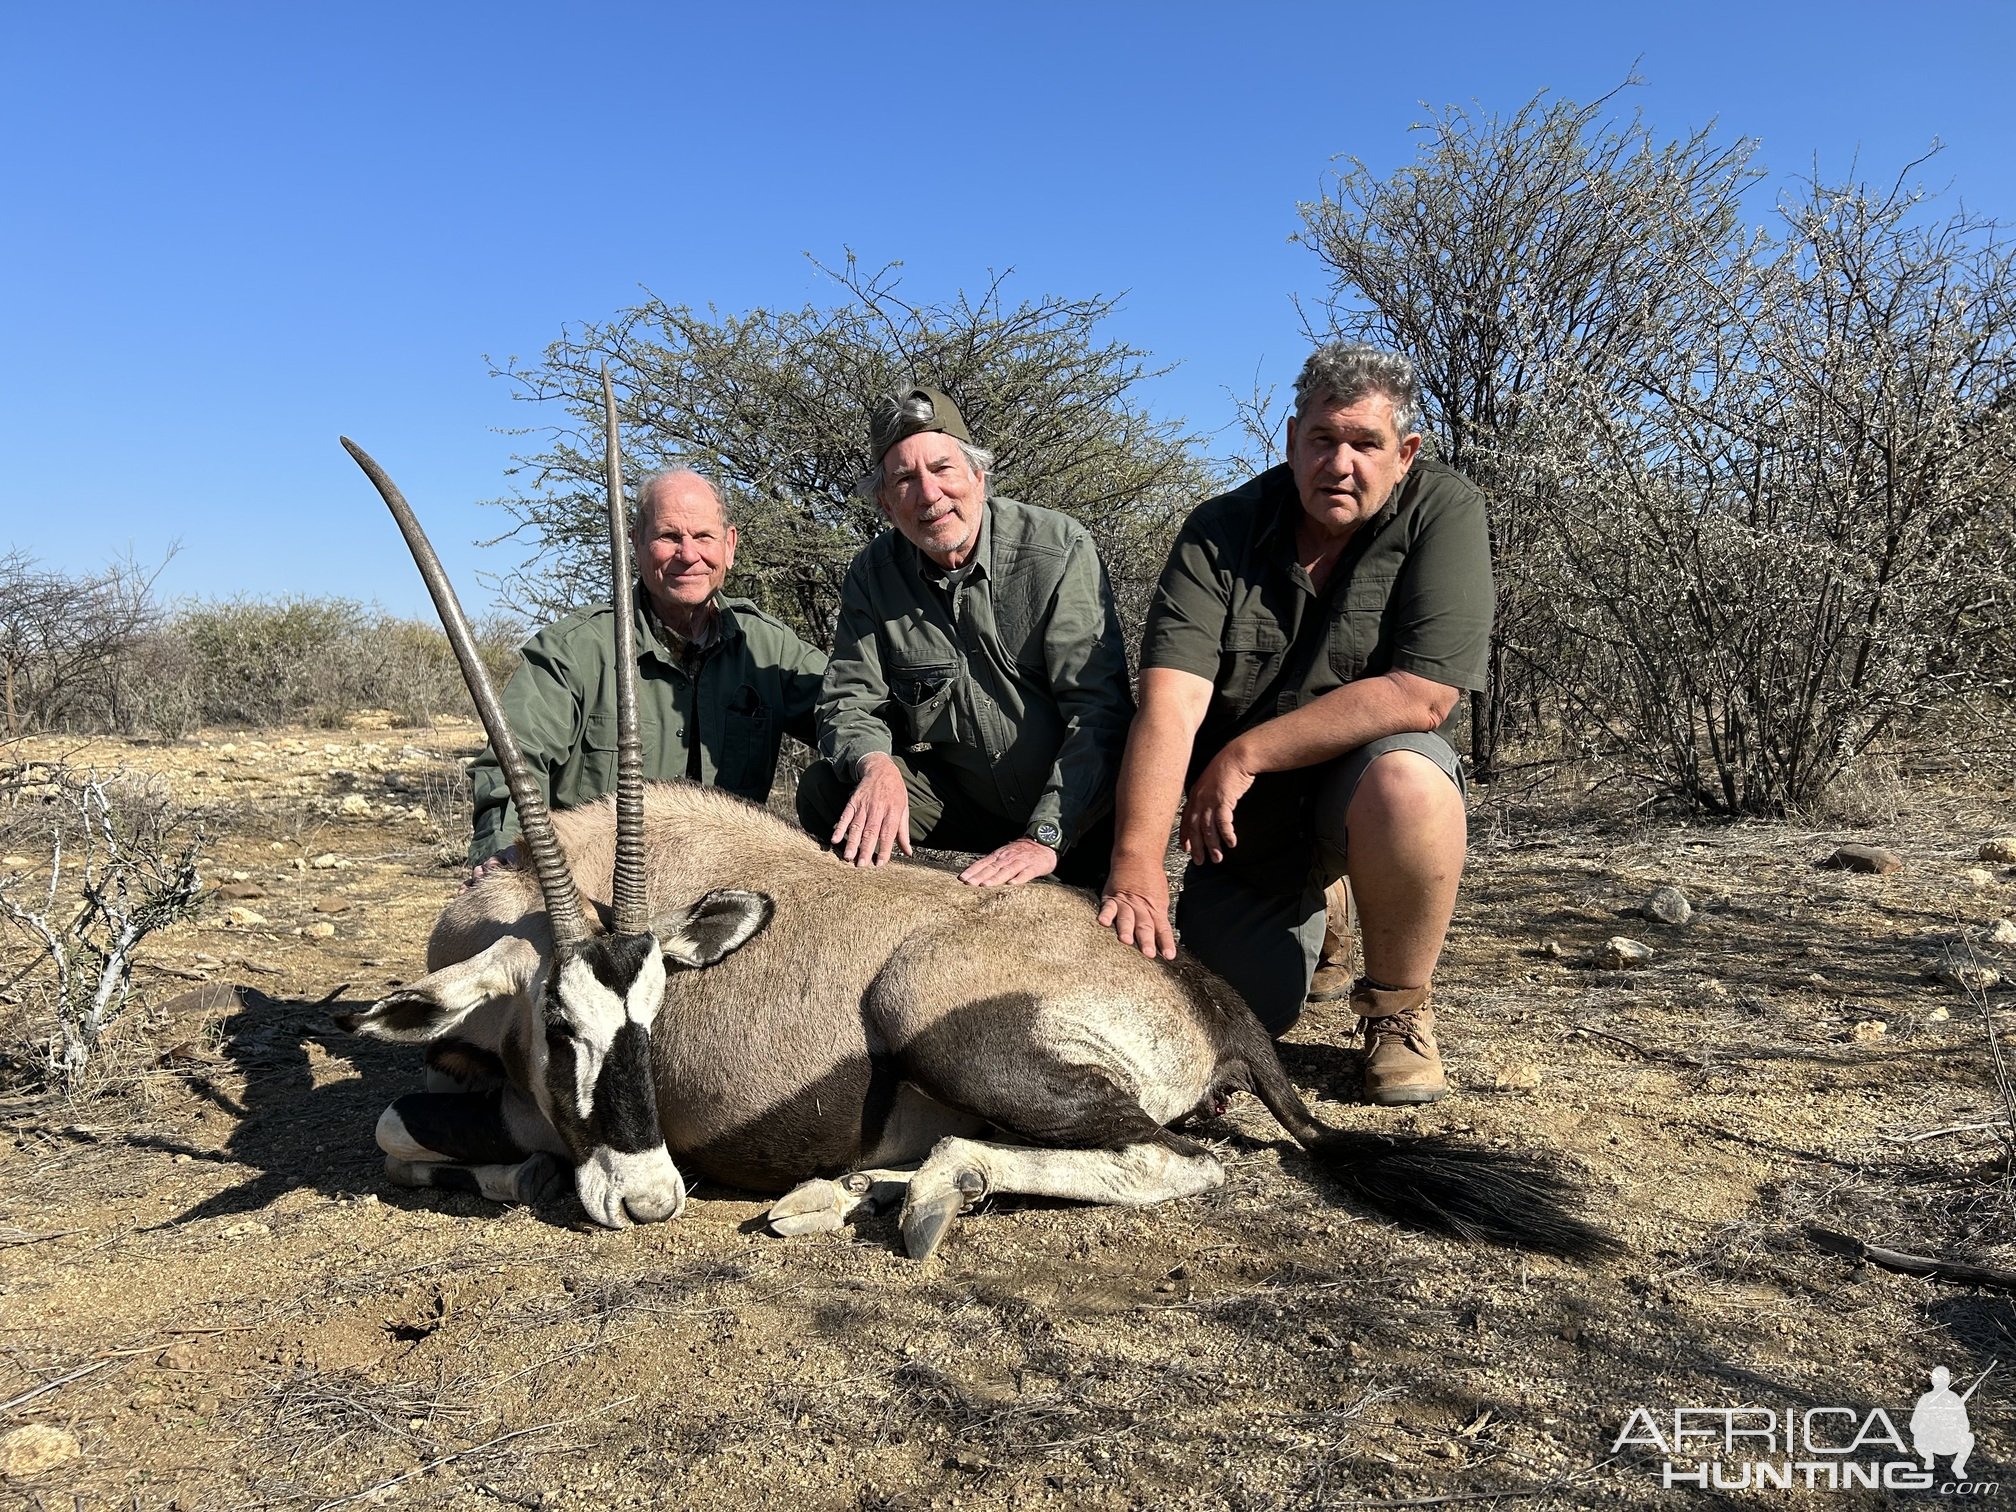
742, 1004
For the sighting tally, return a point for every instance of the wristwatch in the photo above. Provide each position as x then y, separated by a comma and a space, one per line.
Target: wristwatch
1046, 833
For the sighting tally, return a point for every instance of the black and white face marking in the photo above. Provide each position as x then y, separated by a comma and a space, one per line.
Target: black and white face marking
600, 1005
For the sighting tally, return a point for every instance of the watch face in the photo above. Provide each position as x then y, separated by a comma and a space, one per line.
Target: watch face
1048, 834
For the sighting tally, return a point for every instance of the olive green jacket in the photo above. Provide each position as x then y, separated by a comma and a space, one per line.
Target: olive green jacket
756, 681
1015, 678
1411, 592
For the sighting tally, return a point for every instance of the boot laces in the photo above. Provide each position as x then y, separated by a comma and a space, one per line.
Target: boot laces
1406, 1026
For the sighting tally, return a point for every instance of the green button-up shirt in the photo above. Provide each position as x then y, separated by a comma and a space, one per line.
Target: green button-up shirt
723, 707
1411, 592
1012, 671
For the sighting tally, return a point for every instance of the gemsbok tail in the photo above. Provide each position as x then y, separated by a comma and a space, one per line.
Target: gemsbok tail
1433, 1182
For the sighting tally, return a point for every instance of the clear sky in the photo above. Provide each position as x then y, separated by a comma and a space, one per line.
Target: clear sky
229, 232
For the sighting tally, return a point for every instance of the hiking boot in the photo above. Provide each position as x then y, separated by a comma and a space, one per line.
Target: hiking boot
1403, 1064
1333, 980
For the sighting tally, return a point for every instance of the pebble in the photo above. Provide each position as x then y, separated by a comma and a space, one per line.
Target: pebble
1978, 876
1524, 1077
327, 861
321, 930
333, 903
1866, 858
1968, 978
1668, 905
15, 863
1620, 953
248, 1228
2003, 932
355, 805
1938, 1015
2002, 848
1552, 950
244, 918
33, 1449
1869, 1030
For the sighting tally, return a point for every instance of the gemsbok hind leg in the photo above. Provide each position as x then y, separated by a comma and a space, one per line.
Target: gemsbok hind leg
469, 1142
962, 1171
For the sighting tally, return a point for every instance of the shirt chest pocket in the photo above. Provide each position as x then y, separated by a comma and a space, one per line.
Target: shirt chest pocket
924, 697
1250, 659
748, 745
1359, 632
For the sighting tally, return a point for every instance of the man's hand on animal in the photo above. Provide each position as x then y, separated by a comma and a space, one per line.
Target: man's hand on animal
1136, 908
1016, 862
876, 821
1208, 830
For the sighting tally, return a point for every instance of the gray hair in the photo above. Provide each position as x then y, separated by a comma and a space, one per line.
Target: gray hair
1349, 370
647, 492
978, 458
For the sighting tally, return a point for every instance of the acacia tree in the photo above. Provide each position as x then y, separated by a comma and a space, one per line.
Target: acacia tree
1510, 249
1795, 531
773, 406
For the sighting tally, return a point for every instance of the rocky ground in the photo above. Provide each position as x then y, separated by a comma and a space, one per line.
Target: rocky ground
209, 1297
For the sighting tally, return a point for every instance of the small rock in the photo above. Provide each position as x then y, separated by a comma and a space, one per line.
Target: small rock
33, 1449
238, 891
2003, 932
15, 863
1523, 1077
244, 918
355, 805
333, 903
183, 1354
320, 930
246, 1228
1978, 876
2002, 848
1620, 953
1968, 978
1866, 858
1868, 1031
278, 847
1938, 1015
1668, 905
1552, 950
327, 861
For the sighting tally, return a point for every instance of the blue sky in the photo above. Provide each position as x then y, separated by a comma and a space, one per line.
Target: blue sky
229, 232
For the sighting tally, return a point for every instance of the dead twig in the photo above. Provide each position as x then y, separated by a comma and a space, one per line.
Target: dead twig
48, 1386
1959, 1272
1966, 1128
370, 1493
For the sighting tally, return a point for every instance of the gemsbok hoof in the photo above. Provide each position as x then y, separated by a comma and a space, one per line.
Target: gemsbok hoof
927, 1217
817, 1206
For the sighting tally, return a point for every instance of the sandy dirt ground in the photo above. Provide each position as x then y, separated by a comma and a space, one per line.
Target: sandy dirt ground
211, 1298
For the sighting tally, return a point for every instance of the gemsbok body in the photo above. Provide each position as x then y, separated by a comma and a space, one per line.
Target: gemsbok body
676, 981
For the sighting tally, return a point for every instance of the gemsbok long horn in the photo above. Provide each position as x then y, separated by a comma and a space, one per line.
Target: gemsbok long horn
556, 882
626, 886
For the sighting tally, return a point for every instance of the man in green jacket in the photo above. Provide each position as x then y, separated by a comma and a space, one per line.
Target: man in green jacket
1302, 662
977, 696
719, 681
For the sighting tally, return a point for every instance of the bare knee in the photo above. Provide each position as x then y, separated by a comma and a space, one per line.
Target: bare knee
1404, 792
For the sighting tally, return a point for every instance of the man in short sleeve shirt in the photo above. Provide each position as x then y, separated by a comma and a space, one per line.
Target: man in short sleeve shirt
1303, 658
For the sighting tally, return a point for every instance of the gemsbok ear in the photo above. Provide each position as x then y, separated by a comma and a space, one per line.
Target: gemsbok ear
717, 926
428, 1008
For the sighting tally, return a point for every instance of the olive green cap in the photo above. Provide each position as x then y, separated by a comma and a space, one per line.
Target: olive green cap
888, 424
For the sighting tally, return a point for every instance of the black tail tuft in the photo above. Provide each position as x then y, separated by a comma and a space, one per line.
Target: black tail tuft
1478, 1195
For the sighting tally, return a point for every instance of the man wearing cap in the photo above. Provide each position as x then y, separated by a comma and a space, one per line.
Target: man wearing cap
977, 695
719, 681
1301, 664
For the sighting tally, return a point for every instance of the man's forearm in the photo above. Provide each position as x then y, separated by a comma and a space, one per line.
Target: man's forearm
1151, 785
1342, 720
